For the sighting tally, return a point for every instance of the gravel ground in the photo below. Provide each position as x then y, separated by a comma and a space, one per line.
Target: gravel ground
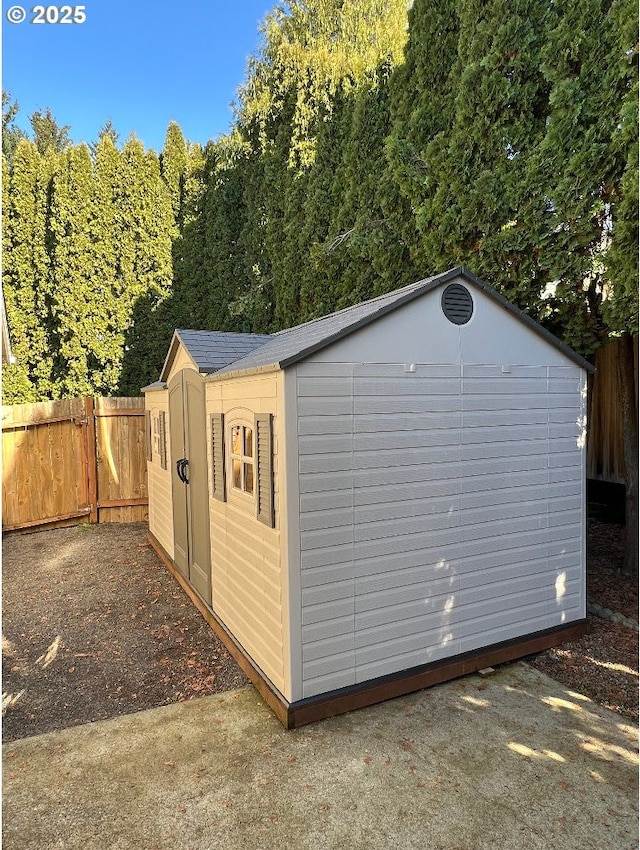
95, 627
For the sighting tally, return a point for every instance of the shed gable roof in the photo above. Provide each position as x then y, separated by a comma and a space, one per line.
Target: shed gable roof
211, 350
294, 344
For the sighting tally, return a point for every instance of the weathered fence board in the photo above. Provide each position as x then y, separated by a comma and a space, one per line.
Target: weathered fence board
73, 460
605, 456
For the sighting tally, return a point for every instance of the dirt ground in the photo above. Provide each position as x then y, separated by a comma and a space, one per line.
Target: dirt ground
95, 627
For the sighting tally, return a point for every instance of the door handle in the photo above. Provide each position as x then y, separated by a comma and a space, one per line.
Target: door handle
185, 464
180, 469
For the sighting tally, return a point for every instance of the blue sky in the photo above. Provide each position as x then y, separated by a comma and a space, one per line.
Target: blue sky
141, 63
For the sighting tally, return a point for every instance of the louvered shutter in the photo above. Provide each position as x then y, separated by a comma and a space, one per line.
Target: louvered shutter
264, 468
147, 434
162, 438
217, 457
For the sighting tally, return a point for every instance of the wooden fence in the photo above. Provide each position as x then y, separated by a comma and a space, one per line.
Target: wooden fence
605, 457
76, 460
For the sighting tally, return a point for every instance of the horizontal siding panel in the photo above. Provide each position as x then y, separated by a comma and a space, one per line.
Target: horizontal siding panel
399, 527
406, 384
566, 414
391, 370
504, 495
324, 370
366, 496
565, 372
326, 556
412, 615
495, 371
474, 573
328, 629
321, 667
328, 519
332, 646
504, 418
512, 448
401, 441
317, 576
371, 589
509, 479
324, 500
404, 509
488, 624
327, 610
472, 606
439, 639
520, 401
319, 481
325, 537
324, 444
501, 433
436, 548
322, 684
506, 385
327, 592
379, 459
410, 630
447, 470
321, 425
567, 429
395, 597
564, 385
317, 387
314, 406
375, 423
405, 404
537, 620
405, 661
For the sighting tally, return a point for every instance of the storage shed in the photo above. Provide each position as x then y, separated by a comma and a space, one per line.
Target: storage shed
377, 500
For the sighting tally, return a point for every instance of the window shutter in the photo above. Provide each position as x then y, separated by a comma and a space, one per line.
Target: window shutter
147, 434
218, 488
264, 468
162, 434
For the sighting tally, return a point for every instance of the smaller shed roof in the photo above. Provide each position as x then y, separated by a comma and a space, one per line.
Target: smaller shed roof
211, 350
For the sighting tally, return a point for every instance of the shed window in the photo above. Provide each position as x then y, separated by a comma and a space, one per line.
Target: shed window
242, 460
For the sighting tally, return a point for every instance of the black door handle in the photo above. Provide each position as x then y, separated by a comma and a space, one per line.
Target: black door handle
185, 464
180, 469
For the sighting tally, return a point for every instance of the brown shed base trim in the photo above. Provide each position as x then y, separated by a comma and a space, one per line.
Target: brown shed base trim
353, 697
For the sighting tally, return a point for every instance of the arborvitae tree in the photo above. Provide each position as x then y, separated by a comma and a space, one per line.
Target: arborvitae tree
373, 258
26, 274
107, 131
145, 269
174, 161
80, 333
422, 109
47, 132
321, 272
105, 230
11, 134
479, 164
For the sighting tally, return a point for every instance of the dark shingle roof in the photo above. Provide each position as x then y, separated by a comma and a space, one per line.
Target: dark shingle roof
212, 350
294, 344
231, 353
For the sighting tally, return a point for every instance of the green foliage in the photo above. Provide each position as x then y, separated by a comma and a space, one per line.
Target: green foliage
47, 132
366, 154
11, 134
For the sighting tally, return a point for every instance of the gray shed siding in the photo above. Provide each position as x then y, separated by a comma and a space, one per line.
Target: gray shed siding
441, 509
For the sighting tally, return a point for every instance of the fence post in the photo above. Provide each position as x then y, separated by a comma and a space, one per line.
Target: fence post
92, 460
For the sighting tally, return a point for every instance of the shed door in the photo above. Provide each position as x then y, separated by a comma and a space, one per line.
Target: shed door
189, 480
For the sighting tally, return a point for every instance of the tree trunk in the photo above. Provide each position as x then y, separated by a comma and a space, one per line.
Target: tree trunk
626, 372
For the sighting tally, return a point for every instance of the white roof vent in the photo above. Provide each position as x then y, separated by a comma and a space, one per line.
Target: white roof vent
457, 304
